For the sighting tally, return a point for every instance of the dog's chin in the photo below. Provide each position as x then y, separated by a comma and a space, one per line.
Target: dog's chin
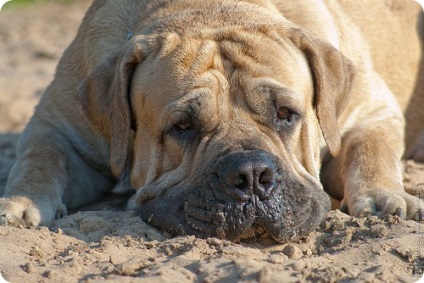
290, 213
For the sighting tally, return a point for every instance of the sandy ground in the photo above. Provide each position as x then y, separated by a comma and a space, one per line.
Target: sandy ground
106, 244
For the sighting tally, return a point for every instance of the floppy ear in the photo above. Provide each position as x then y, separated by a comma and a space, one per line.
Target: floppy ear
104, 101
333, 76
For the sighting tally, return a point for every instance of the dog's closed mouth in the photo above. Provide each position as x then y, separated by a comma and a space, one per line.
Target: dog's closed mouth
283, 216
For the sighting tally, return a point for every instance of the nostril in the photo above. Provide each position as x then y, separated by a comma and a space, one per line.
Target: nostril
241, 183
266, 176
266, 183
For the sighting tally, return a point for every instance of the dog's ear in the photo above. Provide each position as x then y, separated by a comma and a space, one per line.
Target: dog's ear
104, 101
333, 76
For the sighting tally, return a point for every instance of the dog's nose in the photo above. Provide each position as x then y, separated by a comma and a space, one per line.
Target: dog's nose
242, 174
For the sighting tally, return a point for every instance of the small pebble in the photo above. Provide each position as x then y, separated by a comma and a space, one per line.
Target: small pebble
277, 259
292, 251
29, 267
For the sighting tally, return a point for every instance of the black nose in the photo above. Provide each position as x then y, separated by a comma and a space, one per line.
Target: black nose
242, 174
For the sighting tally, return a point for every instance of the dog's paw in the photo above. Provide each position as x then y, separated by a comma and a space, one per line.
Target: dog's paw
23, 212
385, 202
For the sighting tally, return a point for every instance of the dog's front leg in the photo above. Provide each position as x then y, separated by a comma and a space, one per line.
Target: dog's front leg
367, 173
47, 177
33, 193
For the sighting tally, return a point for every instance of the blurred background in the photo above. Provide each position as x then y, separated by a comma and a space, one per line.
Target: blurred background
13, 4
33, 35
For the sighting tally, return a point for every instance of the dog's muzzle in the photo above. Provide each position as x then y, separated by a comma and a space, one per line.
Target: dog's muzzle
241, 191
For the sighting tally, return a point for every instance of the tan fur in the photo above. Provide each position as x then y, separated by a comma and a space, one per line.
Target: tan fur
106, 115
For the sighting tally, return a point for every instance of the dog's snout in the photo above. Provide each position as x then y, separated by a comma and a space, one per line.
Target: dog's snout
251, 178
243, 174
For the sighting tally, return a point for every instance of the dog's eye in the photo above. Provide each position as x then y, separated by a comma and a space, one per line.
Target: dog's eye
183, 125
183, 131
286, 115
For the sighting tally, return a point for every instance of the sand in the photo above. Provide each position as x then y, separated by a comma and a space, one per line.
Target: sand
103, 243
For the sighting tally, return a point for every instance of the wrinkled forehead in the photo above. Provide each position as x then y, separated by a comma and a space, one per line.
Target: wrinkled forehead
211, 68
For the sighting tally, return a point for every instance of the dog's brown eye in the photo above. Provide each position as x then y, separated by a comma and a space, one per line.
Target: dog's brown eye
284, 113
183, 131
183, 125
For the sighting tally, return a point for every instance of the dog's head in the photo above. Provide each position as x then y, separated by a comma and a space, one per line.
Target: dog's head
228, 125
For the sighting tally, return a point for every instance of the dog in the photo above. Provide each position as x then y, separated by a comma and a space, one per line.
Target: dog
226, 117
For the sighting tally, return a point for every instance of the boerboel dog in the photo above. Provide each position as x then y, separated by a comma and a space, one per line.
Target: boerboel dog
227, 117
